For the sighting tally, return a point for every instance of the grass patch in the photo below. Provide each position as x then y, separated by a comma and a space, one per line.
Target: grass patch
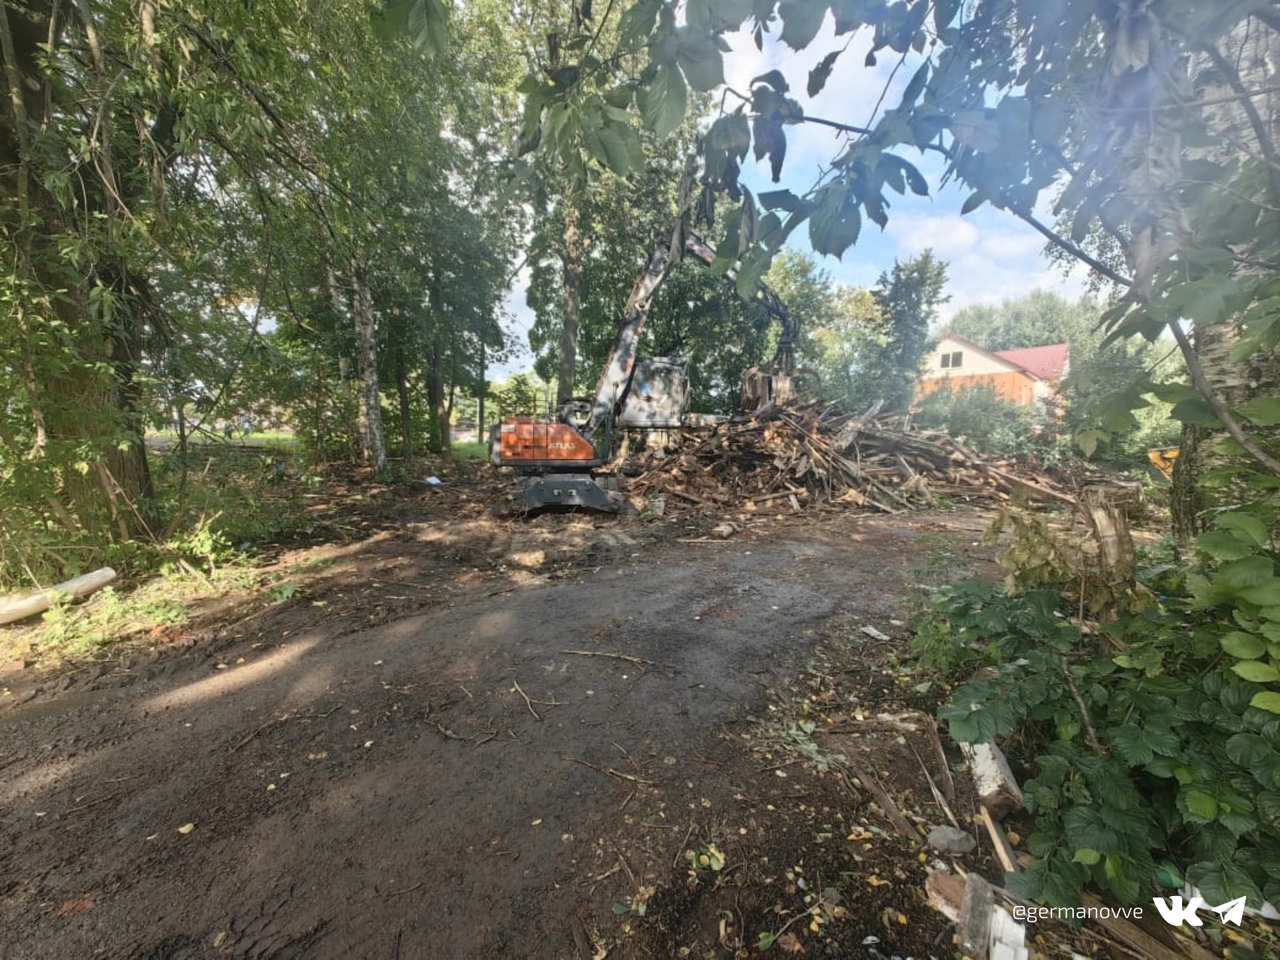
74, 630
284, 439
470, 450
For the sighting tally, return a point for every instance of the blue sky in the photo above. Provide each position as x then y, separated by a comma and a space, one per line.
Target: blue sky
991, 255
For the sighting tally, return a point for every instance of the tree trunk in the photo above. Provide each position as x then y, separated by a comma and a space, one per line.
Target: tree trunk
1202, 453
373, 447
368, 403
436, 393
484, 388
406, 410
571, 255
80, 381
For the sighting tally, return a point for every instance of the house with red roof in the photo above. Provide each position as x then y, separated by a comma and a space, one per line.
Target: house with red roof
1022, 376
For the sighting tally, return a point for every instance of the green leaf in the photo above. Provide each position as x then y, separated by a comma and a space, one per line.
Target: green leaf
1246, 525
774, 79
1174, 392
801, 20
1248, 572
1131, 746
732, 134
1087, 856
1248, 749
852, 14
1219, 882
755, 263
944, 11
973, 202
1256, 671
1243, 645
769, 141
915, 86
1202, 301
779, 200
617, 157
1266, 700
429, 26
637, 23
704, 73
1223, 546
424, 22
1264, 595
1086, 825
662, 102
819, 75
975, 130
1262, 411
1088, 440
1197, 805
919, 186
1195, 411
835, 223
700, 59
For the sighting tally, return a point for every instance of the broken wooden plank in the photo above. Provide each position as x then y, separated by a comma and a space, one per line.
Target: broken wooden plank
945, 893
996, 785
1004, 851
1137, 939
887, 804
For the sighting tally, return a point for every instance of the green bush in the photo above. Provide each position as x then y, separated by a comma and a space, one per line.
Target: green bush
986, 421
1153, 739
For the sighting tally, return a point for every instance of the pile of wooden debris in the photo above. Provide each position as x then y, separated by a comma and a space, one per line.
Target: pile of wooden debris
808, 454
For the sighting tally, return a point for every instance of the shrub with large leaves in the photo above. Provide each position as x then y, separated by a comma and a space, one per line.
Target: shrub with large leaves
1154, 740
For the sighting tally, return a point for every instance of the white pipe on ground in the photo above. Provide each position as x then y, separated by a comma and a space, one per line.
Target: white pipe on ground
22, 607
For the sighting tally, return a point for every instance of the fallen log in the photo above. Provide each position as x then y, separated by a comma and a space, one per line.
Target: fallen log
20, 608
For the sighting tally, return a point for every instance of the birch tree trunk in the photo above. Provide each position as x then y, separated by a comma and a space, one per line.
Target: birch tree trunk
1244, 126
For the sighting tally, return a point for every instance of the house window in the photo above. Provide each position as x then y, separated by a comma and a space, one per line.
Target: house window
952, 359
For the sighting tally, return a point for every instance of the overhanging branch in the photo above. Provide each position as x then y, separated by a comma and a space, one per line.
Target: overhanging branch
1026, 216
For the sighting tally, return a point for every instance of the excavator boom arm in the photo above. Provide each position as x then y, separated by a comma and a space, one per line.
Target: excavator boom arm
616, 375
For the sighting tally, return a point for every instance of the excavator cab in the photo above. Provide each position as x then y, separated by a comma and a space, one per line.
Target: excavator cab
658, 396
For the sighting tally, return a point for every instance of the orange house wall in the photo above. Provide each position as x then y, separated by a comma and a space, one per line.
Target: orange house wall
1014, 386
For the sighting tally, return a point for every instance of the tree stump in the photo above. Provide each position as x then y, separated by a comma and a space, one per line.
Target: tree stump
1105, 509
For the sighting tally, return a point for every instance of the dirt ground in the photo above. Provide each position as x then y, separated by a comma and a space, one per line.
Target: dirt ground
461, 737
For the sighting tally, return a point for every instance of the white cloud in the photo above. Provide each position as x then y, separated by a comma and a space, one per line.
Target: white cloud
980, 279
1005, 245
949, 236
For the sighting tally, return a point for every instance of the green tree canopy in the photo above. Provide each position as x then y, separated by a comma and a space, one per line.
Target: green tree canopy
1031, 320
908, 298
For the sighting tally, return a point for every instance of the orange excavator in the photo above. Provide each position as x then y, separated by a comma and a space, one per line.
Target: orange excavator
564, 459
